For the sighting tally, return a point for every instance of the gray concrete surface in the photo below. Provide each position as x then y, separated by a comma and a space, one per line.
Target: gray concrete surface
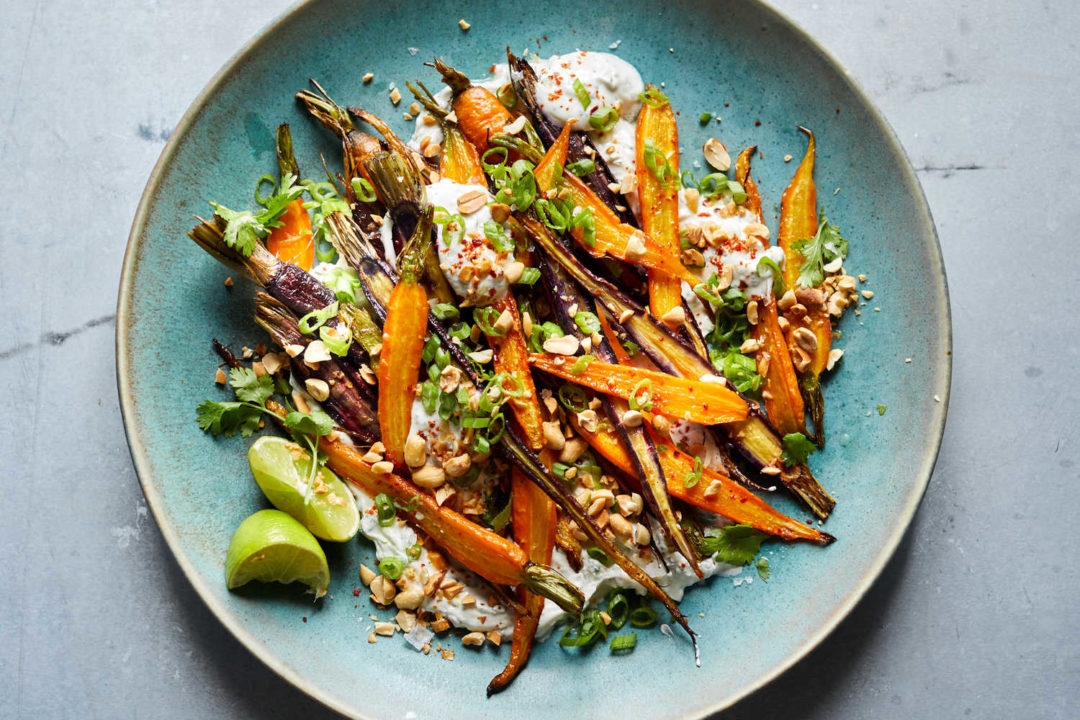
976, 616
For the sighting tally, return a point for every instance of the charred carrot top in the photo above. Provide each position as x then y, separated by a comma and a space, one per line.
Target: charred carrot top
489, 555
645, 390
534, 519
657, 157
612, 236
403, 345
292, 241
714, 491
798, 220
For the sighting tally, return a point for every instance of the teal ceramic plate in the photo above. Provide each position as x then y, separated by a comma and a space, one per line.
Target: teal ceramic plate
764, 77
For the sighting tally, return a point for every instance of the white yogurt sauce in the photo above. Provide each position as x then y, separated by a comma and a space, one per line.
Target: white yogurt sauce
611, 83
395, 540
474, 268
596, 580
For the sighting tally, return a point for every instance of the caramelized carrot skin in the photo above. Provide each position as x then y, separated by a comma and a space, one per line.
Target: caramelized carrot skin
512, 357
293, 240
659, 201
487, 554
732, 500
480, 114
706, 403
783, 399
399, 365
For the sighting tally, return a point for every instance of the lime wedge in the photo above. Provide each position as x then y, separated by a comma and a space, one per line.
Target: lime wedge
271, 546
281, 468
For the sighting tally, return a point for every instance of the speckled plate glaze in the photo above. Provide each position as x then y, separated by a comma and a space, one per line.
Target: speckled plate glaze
739, 59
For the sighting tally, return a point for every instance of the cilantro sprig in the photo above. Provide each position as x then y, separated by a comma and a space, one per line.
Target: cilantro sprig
244, 414
819, 251
734, 544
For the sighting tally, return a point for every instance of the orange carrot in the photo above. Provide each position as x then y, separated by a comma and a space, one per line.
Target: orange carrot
292, 241
657, 138
613, 237
798, 220
534, 519
783, 400
488, 554
403, 344
701, 402
714, 491
742, 174
782, 397
512, 357
479, 112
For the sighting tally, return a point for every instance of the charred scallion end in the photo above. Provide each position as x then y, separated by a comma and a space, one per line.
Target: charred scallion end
400, 189
455, 80
544, 581
810, 386
411, 261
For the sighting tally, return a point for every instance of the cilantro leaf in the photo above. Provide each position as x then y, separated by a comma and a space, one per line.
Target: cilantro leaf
797, 447
228, 418
316, 424
735, 544
818, 251
276, 205
251, 387
763, 568
242, 229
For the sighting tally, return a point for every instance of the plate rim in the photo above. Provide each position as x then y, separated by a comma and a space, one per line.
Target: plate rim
264, 653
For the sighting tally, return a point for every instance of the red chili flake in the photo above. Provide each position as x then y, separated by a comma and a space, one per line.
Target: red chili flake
304, 619
756, 123
356, 593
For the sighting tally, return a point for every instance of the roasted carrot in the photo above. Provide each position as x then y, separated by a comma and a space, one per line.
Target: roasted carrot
742, 174
533, 517
702, 402
782, 397
489, 555
403, 344
714, 491
780, 385
798, 220
613, 237
512, 357
292, 241
479, 112
657, 145
459, 160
